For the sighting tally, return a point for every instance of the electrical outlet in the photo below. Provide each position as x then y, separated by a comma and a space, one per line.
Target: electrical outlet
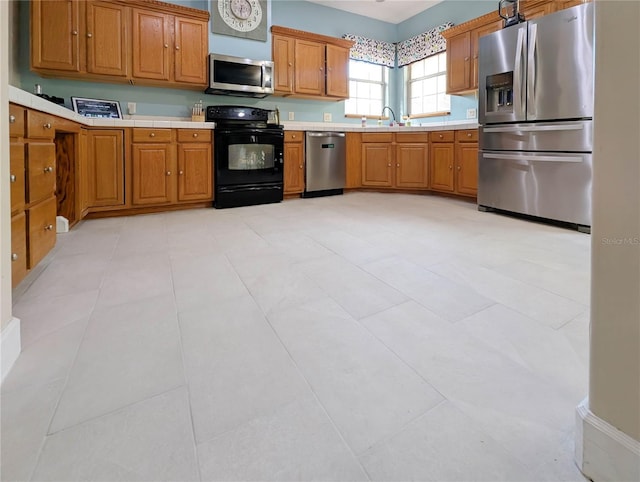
471, 113
292, 116
326, 116
131, 106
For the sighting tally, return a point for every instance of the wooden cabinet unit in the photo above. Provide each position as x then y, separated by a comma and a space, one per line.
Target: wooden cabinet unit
442, 160
377, 159
293, 162
153, 171
17, 176
195, 165
42, 230
18, 248
135, 41
310, 65
105, 168
467, 162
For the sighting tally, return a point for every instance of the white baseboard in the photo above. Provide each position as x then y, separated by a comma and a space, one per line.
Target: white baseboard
9, 346
604, 453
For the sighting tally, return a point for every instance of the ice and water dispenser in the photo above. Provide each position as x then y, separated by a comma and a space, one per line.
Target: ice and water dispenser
499, 93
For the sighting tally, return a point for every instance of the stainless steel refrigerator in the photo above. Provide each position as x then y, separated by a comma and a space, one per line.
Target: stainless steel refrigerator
535, 113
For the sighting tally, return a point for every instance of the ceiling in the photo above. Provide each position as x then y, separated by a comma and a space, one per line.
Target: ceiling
392, 11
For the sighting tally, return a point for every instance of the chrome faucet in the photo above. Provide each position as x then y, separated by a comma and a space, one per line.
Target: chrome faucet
392, 113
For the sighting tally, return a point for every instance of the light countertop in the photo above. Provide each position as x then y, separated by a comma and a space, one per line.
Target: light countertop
26, 99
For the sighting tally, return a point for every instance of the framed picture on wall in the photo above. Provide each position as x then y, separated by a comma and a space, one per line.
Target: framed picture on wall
240, 18
97, 108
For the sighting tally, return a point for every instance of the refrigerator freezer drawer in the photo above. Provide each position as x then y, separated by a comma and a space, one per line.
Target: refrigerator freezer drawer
549, 185
576, 136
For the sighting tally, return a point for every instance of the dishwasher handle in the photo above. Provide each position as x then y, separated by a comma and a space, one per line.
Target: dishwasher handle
326, 134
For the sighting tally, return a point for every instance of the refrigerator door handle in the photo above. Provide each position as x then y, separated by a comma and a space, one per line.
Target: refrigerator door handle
518, 81
565, 127
527, 157
531, 75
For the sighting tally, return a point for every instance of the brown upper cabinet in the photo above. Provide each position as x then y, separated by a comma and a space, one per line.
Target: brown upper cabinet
310, 65
463, 41
135, 41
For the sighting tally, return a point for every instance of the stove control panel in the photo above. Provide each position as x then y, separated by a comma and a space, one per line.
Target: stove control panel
217, 113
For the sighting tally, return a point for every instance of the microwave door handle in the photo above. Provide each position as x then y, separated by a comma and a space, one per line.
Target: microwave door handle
531, 75
263, 72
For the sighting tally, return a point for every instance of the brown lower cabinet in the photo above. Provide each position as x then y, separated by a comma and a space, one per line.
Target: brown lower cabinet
152, 168
293, 162
195, 170
454, 161
42, 229
18, 248
105, 168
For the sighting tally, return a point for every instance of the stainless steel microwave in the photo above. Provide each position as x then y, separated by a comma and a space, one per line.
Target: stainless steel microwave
240, 77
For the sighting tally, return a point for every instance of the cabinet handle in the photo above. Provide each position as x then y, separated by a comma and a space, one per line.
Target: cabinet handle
12, 178
48, 169
74, 32
89, 35
441, 136
12, 119
458, 168
195, 134
398, 165
14, 257
290, 64
47, 125
293, 136
466, 59
450, 167
153, 134
388, 165
166, 46
180, 173
320, 69
168, 173
177, 47
48, 227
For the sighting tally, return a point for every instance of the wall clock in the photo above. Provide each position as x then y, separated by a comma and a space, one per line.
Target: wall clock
240, 18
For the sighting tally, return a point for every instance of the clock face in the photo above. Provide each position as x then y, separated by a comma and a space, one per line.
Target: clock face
241, 15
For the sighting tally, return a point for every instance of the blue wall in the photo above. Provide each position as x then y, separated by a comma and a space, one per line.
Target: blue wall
290, 13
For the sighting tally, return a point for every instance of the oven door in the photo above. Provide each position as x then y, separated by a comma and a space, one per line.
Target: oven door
248, 156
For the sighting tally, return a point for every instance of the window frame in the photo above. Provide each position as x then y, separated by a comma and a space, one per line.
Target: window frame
384, 83
409, 81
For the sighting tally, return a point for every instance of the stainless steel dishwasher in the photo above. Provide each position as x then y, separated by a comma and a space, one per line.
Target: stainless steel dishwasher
325, 163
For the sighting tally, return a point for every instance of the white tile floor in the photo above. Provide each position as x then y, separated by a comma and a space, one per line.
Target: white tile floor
360, 337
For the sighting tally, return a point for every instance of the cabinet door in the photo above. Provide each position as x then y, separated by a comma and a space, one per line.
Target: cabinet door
150, 34
16, 120
18, 248
55, 35
106, 38
458, 62
293, 168
195, 181
537, 11
337, 71
441, 160
467, 168
153, 178
105, 168
191, 47
376, 164
41, 170
16, 176
283, 58
42, 230
411, 165
354, 160
562, 4
309, 67
475, 36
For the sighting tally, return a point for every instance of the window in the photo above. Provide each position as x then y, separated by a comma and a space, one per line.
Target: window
427, 86
367, 88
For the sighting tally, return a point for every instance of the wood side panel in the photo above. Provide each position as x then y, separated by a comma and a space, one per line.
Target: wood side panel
66, 176
354, 160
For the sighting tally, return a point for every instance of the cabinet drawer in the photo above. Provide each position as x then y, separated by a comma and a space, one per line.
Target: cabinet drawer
42, 230
16, 169
40, 126
16, 120
194, 135
412, 137
441, 136
151, 135
18, 248
293, 136
467, 135
41, 170
377, 137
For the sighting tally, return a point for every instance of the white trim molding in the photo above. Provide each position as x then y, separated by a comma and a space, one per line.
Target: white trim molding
9, 346
604, 453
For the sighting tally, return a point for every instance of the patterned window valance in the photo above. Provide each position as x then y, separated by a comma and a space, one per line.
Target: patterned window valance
421, 46
374, 51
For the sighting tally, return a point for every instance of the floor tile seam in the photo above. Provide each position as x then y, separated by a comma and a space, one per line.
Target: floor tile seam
30, 386
313, 392
587, 311
62, 327
116, 410
186, 378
